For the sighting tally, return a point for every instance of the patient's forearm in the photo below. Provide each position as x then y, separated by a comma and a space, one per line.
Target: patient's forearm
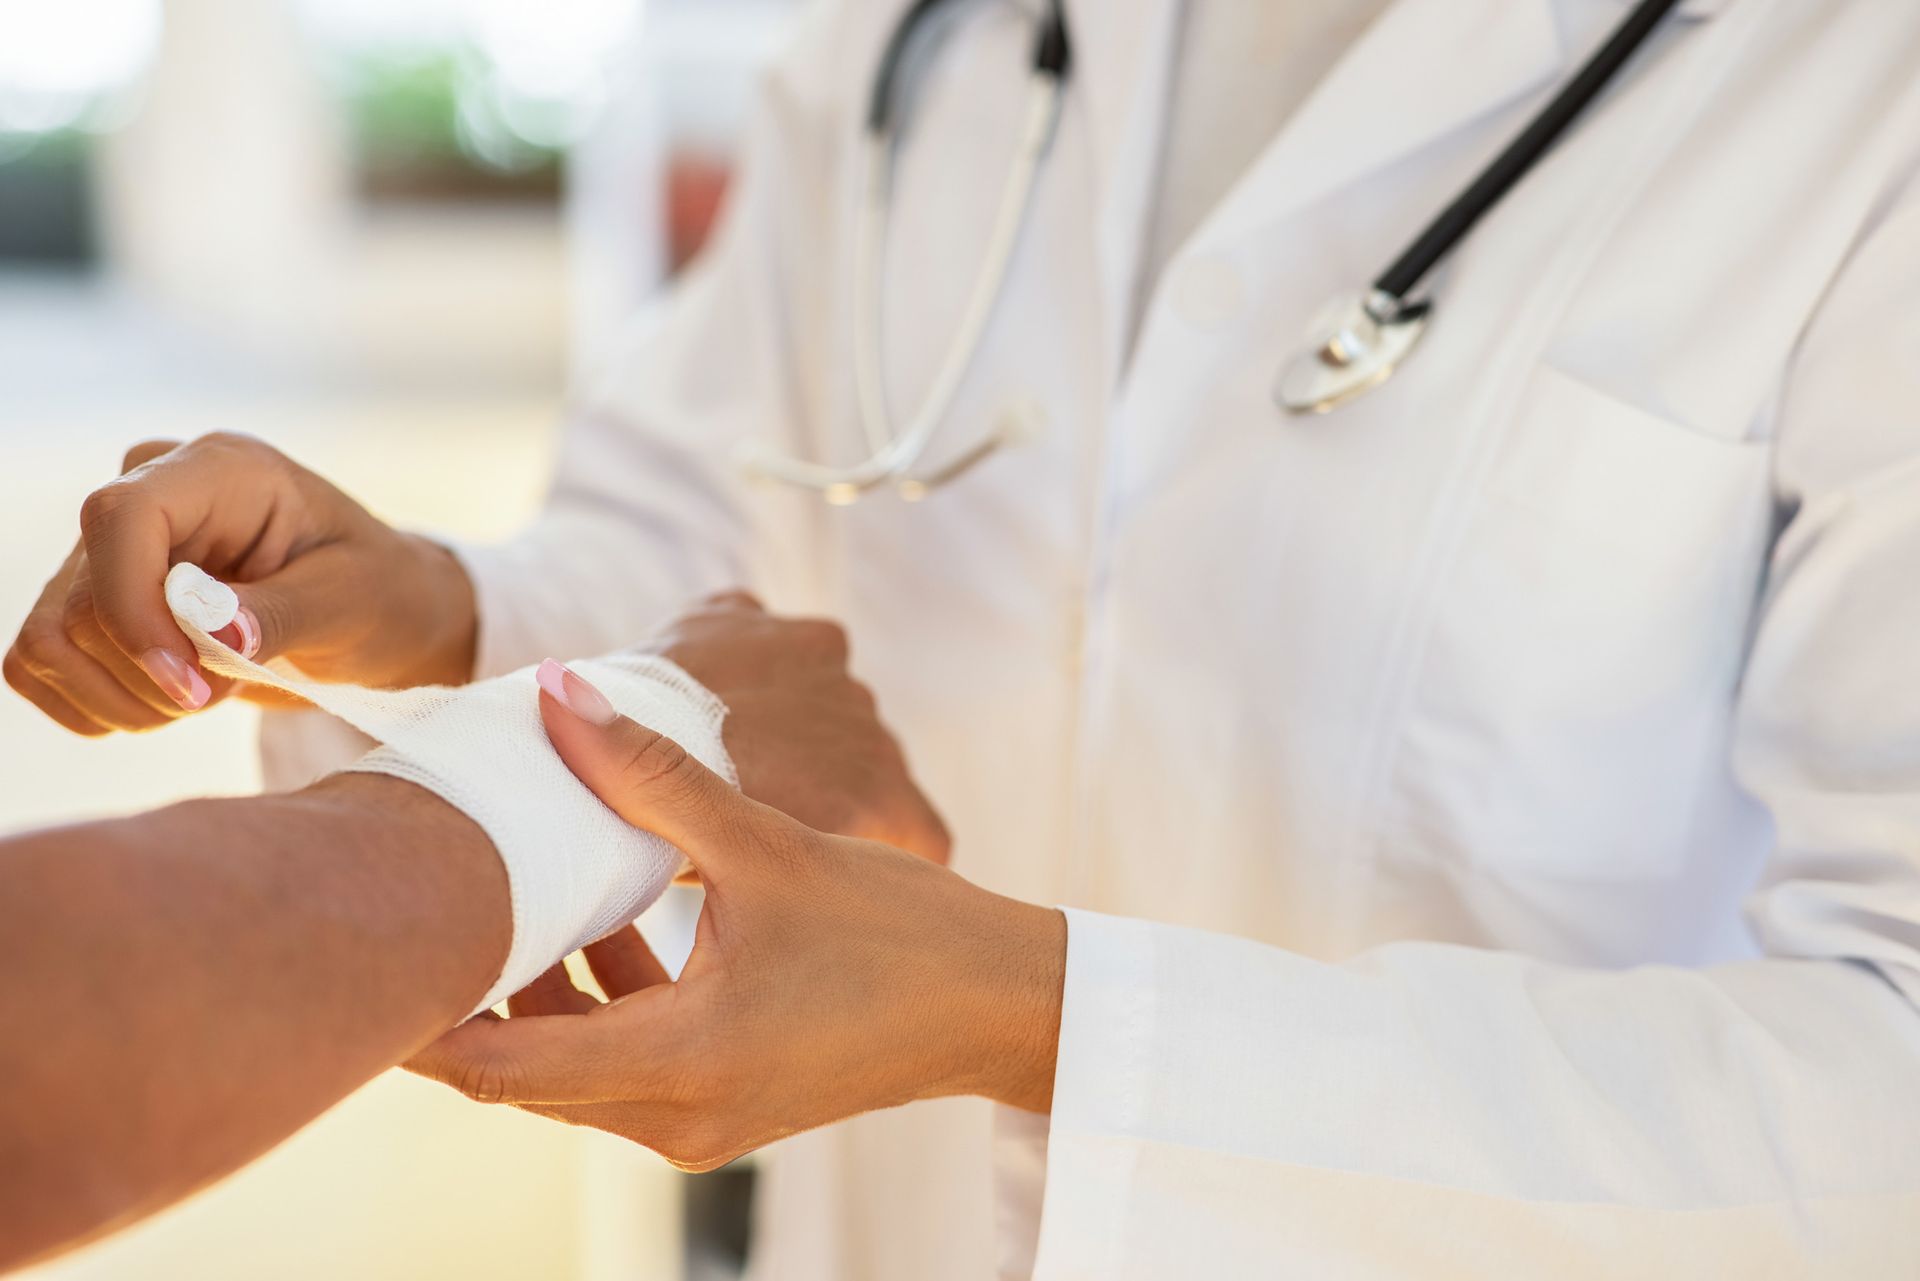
181, 990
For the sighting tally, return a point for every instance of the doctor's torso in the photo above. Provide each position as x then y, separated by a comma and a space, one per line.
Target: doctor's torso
1456, 662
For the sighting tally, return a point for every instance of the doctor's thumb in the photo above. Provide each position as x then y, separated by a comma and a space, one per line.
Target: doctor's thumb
645, 777
304, 608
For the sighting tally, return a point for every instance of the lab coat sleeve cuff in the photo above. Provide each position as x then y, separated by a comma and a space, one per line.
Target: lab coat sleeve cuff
500, 633
1101, 1091
548, 592
299, 746
581, 581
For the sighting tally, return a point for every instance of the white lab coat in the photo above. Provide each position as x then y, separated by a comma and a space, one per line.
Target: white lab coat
1493, 810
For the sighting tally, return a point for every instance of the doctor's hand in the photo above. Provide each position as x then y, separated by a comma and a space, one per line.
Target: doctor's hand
829, 976
804, 735
320, 582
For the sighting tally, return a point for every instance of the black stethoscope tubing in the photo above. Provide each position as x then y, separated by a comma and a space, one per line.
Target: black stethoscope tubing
1356, 345
1452, 224
1052, 56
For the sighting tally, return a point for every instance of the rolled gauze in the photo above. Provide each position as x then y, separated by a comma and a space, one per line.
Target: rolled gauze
576, 871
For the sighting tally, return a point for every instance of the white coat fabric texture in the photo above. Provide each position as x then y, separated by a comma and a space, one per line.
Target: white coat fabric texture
1492, 812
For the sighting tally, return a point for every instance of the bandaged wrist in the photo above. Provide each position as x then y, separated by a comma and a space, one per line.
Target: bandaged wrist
576, 872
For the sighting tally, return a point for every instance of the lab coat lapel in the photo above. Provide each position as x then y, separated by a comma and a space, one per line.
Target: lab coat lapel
1122, 57
1425, 69
1443, 64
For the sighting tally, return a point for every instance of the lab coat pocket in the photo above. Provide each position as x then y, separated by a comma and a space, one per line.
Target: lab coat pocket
1570, 704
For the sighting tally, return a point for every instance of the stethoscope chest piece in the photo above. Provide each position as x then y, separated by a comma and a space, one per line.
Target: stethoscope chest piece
1354, 344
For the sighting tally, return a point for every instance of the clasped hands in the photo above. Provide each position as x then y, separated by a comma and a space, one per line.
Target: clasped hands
830, 974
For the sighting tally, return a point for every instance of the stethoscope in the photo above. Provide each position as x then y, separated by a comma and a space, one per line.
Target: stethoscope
1354, 345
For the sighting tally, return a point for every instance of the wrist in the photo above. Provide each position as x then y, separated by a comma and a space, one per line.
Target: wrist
1013, 981
427, 872
448, 612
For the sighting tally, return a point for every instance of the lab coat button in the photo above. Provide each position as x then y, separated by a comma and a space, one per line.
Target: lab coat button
1208, 294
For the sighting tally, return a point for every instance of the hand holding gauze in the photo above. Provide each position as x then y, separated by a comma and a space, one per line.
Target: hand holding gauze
576, 871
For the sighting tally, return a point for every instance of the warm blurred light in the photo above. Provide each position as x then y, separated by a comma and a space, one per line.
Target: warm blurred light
63, 62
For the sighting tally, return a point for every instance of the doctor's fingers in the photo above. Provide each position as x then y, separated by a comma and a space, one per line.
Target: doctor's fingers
227, 502
624, 1053
911, 823
622, 963
551, 993
733, 600
656, 785
310, 607
81, 621
50, 701
36, 639
74, 679
688, 1139
48, 667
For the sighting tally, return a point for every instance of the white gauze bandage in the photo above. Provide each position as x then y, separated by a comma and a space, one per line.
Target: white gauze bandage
575, 870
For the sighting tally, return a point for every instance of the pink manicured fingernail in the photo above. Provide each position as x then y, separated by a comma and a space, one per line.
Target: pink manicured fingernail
176, 679
242, 634
575, 694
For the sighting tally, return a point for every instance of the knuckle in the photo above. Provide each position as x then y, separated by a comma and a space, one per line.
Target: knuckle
822, 636
732, 599
42, 644
107, 505
14, 669
485, 1078
77, 616
231, 442
145, 452
654, 760
238, 450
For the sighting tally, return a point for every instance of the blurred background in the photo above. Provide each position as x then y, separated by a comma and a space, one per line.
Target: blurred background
381, 234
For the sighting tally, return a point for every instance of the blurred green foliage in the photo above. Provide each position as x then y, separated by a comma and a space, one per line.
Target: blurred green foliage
405, 113
58, 149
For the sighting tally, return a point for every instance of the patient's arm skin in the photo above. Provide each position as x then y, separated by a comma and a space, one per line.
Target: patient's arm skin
181, 990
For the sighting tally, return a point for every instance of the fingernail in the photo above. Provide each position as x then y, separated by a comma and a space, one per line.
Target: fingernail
179, 681
241, 635
573, 692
